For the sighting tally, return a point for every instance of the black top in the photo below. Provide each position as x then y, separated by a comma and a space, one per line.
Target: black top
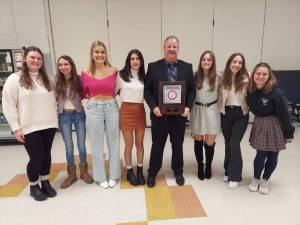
272, 104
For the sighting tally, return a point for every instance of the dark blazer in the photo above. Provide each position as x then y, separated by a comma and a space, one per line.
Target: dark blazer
157, 71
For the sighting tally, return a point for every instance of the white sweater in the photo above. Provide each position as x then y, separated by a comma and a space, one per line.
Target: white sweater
132, 91
26, 109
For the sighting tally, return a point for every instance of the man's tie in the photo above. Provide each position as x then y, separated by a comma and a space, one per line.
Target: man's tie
171, 72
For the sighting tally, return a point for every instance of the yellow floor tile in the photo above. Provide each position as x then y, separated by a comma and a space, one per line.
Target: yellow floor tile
159, 203
12, 190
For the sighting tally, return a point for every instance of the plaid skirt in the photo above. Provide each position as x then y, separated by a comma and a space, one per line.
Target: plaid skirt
266, 134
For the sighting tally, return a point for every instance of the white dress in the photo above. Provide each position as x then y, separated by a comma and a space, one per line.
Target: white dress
206, 120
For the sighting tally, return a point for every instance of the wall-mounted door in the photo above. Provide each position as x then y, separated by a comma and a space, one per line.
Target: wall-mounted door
134, 24
192, 22
238, 28
76, 24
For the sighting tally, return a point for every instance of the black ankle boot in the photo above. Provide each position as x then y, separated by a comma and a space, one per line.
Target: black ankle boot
131, 177
140, 175
48, 189
36, 193
198, 149
209, 155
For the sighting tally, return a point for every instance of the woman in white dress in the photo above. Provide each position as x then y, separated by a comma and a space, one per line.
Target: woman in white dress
205, 115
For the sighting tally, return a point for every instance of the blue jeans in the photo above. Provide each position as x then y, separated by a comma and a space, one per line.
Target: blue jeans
103, 119
65, 121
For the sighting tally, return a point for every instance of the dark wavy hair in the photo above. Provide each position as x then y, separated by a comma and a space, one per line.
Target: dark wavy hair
25, 79
211, 74
125, 73
62, 83
271, 82
239, 77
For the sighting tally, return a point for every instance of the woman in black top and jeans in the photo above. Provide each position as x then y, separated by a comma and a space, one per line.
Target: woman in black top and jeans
271, 127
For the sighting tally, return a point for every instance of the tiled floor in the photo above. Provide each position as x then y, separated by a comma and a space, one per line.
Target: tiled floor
207, 202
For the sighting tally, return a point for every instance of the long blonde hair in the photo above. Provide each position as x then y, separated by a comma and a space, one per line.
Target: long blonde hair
92, 63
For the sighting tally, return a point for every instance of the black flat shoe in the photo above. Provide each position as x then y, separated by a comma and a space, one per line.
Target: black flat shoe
131, 177
48, 190
151, 181
36, 193
179, 179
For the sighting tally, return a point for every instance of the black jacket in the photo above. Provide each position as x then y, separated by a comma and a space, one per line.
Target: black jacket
272, 104
157, 71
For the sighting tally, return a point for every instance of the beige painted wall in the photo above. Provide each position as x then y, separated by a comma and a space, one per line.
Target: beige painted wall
69, 27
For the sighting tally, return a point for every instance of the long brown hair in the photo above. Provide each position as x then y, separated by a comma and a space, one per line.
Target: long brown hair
125, 73
25, 79
271, 82
211, 74
92, 63
239, 77
73, 82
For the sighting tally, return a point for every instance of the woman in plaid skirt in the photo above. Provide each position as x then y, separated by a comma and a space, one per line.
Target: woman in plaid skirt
271, 128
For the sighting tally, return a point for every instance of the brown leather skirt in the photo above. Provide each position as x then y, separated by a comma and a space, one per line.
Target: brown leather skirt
132, 116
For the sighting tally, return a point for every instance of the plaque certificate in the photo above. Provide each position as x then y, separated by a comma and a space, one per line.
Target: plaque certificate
171, 97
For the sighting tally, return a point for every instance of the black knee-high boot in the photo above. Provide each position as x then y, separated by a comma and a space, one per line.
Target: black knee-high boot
198, 149
209, 155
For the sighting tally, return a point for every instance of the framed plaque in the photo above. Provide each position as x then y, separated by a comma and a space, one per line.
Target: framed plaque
171, 97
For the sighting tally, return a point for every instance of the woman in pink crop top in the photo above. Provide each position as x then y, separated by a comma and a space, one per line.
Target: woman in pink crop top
102, 114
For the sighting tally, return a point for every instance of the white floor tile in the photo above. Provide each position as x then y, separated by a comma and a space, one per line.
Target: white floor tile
92, 205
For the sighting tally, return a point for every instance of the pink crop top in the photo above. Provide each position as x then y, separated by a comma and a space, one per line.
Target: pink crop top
92, 86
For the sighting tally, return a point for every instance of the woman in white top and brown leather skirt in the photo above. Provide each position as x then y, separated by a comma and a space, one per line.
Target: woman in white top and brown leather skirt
205, 115
130, 86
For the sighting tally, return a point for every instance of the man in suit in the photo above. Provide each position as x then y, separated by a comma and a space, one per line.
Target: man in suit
168, 69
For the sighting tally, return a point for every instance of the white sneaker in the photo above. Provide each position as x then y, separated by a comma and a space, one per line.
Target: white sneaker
104, 184
253, 186
112, 183
263, 187
233, 184
225, 178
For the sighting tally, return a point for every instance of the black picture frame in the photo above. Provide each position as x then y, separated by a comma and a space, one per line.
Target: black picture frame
172, 97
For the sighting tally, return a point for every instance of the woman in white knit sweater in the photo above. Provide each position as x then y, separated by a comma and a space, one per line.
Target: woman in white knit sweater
29, 106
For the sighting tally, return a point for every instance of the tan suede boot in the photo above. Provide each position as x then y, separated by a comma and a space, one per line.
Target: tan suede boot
84, 174
71, 177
